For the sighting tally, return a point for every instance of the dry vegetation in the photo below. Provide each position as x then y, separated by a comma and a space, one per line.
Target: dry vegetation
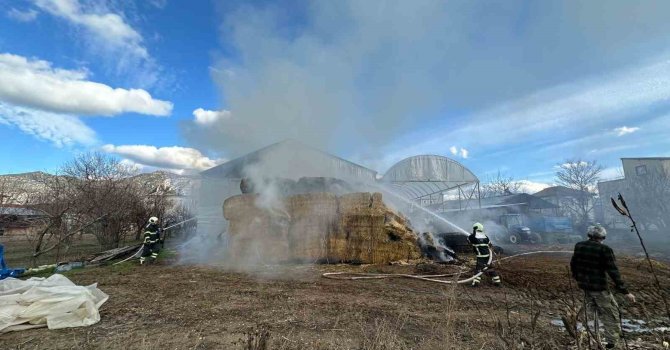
167, 306
93, 195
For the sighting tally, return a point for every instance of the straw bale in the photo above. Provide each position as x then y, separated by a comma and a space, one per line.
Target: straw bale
240, 206
355, 227
313, 220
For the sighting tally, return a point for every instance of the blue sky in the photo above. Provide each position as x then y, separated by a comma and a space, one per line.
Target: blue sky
517, 86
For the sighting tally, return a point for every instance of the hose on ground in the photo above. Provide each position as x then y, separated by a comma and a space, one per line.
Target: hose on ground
142, 246
428, 278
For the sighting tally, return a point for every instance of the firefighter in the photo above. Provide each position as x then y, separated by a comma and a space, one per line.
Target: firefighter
483, 248
151, 239
591, 262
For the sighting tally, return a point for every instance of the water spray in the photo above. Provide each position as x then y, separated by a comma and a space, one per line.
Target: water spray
425, 210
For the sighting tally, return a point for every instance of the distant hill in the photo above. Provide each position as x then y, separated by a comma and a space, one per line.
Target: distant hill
173, 184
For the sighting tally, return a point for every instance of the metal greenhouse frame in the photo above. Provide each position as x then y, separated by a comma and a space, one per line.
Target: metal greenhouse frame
427, 179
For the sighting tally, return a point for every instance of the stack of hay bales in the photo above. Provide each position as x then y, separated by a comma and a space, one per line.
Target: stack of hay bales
313, 220
257, 235
355, 227
361, 227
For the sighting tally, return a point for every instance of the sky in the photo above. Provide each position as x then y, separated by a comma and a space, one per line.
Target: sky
510, 86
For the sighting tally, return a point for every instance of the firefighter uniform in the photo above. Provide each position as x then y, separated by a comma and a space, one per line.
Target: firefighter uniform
150, 247
481, 244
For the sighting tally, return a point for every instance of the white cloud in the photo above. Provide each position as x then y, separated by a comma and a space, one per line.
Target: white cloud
462, 152
111, 28
571, 165
175, 157
568, 109
532, 186
108, 35
206, 117
61, 130
22, 16
160, 4
35, 83
625, 130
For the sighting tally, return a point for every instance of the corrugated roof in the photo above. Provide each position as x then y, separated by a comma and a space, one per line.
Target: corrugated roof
292, 160
657, 158
20, 211
558, 190
532, 201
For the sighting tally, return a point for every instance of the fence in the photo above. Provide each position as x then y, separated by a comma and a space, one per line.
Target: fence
19, 250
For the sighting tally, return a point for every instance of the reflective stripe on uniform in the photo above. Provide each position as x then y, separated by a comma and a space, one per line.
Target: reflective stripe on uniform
496, 279
481, 245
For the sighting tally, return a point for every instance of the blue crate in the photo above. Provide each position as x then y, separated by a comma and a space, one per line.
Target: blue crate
4, 270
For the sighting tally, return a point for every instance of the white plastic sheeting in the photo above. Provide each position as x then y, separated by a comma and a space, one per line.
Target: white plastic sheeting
423, 175
54, 302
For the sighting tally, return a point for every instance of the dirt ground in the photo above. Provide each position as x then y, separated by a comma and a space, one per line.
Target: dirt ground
171, 306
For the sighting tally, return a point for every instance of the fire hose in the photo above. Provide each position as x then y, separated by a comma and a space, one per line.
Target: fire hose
429, 278
142, 246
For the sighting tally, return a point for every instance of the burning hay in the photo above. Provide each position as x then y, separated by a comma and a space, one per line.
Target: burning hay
355, 227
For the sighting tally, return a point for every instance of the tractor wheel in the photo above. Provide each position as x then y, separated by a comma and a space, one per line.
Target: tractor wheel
514, 238
534, 238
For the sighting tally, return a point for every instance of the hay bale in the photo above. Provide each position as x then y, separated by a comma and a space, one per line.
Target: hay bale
320, 226
313, 220
240, 206
255, 234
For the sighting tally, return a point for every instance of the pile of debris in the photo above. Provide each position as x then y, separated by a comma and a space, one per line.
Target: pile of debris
318, 227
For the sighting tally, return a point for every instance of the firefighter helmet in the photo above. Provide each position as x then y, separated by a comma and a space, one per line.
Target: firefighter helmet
596, 231
153, 220
478, 227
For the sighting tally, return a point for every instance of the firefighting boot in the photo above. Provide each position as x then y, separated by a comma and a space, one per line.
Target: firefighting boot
476, 281
496, 281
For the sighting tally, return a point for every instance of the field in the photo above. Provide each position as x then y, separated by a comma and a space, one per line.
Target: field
172, 306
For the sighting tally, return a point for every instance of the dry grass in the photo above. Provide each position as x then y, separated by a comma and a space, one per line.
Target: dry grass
18, 251
198, 307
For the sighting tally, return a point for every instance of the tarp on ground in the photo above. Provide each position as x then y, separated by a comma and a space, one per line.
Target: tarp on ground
54, 302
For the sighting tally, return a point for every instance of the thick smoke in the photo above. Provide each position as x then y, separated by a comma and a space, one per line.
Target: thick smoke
353, 76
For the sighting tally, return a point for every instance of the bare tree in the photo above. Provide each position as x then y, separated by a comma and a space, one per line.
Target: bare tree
55, 201
91, 194
154, 201
11, 198
582, 178
499, 185
179, 214
105, 195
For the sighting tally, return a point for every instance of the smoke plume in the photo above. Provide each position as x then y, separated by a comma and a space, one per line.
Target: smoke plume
352, 76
